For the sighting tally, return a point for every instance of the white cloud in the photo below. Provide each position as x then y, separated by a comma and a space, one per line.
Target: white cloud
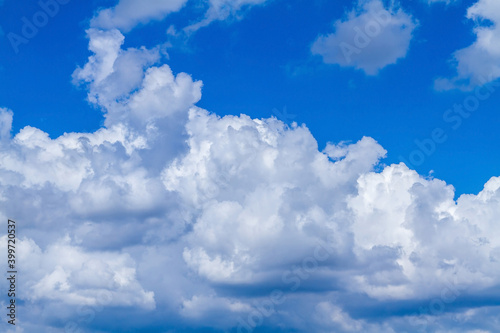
370, 38
128, 13
69, 274
126, 85
221, 10
277, 187
177, 213
478, 63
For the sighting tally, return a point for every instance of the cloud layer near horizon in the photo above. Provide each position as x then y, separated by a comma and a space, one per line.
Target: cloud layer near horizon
172, 217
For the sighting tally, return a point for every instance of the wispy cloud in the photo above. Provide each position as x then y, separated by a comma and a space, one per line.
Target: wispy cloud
129, 13
221, 10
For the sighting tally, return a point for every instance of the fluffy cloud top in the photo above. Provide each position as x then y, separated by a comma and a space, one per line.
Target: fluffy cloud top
370, 38
127, 93
478, 63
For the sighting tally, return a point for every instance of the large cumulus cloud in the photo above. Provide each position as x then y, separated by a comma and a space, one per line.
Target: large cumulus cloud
173, 218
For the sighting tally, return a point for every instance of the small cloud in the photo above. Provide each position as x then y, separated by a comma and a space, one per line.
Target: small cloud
371, 38
129, 13
478, 63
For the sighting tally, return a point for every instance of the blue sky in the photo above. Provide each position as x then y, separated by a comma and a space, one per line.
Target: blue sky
228, 130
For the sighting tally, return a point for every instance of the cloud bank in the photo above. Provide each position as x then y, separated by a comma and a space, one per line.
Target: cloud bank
171, 218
